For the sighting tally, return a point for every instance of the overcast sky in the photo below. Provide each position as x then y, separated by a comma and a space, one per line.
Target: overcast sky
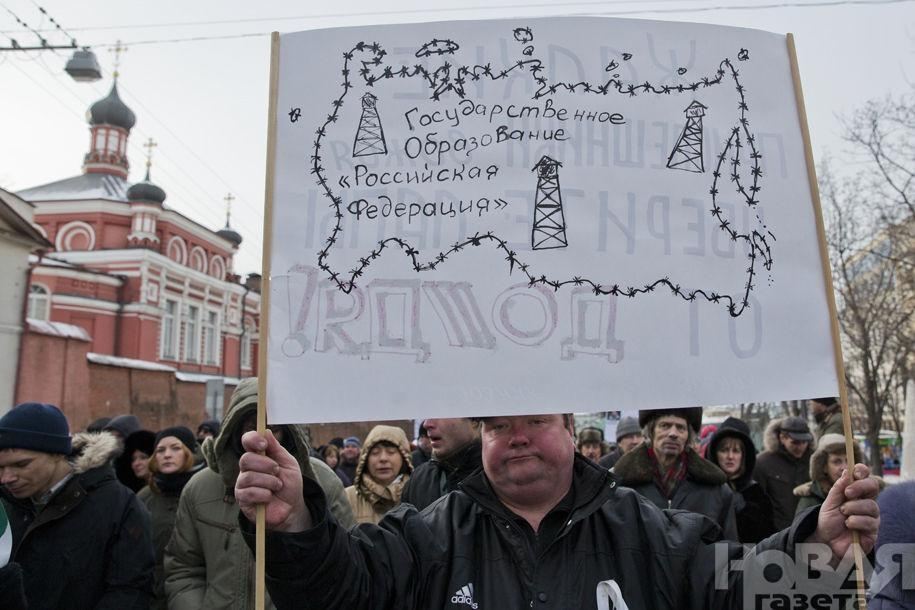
197, 81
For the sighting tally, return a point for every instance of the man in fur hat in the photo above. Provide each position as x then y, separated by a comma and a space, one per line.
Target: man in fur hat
82, 538
666, 469
591, 443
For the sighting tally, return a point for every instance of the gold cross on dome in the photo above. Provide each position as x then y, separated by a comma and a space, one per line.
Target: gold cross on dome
149, 146
117, 50
229, 198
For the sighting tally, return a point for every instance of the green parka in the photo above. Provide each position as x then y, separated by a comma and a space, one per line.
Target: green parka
207, 564
163, 507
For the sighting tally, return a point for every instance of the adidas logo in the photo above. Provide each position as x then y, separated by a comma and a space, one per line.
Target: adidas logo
464, 596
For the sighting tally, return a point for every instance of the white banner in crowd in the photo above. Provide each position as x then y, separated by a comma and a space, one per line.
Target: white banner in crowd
540, 215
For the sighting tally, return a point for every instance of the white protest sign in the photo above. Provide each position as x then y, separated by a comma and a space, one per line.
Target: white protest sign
540, 215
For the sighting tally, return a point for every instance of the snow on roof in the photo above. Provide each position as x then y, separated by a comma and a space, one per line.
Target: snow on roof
129, 363
58, 329
85, 186
203, 378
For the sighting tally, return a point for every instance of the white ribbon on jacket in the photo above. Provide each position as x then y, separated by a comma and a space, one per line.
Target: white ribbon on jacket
609, 596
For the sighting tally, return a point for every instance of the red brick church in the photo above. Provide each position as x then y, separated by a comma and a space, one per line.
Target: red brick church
136, 308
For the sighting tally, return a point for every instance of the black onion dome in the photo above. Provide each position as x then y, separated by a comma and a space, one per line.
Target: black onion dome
146, 191
112, 111
230, 234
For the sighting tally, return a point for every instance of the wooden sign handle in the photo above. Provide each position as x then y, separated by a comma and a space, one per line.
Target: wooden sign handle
261, 531
831, 300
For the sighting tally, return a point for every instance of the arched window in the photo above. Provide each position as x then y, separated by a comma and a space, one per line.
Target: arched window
198, 259
39, 302
177, 250
218, 267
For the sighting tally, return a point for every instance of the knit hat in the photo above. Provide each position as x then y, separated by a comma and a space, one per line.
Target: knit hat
98, 425
627, 426
692, 415
209, 425
124, 424
352, 440
35, 426
182, 434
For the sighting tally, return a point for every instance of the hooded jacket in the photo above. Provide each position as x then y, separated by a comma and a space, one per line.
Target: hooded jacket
778, 473
90, 546
752, 506
369, 499
704, 490
142, 440
467, 551
438, 477
814, 491
206, 563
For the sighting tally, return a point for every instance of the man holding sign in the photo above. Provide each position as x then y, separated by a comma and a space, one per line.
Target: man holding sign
537, 527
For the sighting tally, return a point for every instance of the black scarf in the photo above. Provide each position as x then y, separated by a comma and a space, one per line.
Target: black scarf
172, 484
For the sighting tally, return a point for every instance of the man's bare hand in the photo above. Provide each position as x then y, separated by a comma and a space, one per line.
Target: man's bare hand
273, 479
850, 506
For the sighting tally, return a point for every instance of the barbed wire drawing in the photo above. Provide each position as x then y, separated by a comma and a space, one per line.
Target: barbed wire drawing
367, 62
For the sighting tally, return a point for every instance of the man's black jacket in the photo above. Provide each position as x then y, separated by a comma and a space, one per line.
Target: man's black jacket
90, 547
466, 551
435, 478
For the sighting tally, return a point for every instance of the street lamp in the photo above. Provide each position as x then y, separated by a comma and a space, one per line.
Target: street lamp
82, 66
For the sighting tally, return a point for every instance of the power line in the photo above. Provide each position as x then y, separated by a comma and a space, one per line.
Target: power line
439, 10
189, 200
57, 26
257, 211
369, 13
37, 32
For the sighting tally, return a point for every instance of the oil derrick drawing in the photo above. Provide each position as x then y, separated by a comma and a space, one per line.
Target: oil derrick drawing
369, 136
687, 154
549, 221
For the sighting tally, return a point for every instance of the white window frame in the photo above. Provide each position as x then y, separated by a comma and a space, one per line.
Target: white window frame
246, 344
210, 325
44, 297
192, 334
168, 349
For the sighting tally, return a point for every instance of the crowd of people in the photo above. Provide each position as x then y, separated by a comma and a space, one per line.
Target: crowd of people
523, 510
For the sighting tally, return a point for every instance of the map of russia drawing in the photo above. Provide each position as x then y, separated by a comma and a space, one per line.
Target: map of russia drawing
520, 200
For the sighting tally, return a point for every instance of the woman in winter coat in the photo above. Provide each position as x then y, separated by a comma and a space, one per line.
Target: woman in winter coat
826, 466
173, 463
384, 467
733, 451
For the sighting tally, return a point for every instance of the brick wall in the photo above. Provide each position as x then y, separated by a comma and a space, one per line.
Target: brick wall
322, 433
54, 370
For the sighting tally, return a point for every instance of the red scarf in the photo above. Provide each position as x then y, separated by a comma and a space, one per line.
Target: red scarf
668, 481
